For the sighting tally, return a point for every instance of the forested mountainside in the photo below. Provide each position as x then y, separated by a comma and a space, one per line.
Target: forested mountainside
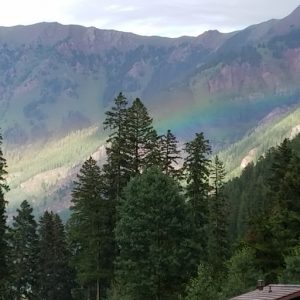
265, 205
142, 226
57, 81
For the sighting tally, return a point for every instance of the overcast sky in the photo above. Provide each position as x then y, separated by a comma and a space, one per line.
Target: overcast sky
147, 17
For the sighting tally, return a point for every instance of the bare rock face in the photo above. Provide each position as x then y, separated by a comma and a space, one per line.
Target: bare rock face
249, 158
295, 131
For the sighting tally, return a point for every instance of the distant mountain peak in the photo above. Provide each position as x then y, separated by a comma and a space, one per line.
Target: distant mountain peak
296, 11
212, 32
212, 39
292, 21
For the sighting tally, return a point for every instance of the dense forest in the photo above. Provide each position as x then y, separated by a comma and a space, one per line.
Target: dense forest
154, 222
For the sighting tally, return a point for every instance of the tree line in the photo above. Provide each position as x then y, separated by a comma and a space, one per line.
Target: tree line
145, 226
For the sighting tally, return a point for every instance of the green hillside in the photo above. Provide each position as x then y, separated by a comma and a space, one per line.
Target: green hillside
257, 142
39, 173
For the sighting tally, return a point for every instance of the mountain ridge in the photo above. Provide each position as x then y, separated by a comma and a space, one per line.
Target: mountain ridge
58, 80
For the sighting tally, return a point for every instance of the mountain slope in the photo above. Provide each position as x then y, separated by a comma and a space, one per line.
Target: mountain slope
57, 81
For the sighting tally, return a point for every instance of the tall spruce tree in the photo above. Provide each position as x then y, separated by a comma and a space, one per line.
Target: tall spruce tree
274, 232
91, 230
153, 234
281, 161
116, 168
141, 138
23, 254
169, 153
55, 278
218, 243
3, 240
197, 169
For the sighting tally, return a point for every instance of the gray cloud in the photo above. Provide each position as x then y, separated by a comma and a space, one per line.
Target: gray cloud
178, 17
149, 17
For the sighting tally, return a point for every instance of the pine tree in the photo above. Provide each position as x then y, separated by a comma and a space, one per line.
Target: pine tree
141, 138
23, 254
274, 232
116, 169
91, 230
197, 169
55, 278
170, 155
3, 241
64, 274
218, 244
281, 161
153, 234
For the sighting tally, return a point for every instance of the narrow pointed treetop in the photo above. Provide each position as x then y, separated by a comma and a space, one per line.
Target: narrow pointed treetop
142, 137
170, 155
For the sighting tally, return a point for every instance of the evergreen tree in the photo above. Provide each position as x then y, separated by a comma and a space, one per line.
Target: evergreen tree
3, 240
291, 273
281, 161
90, 230
153, 233
274, 232
203, 286
197, 169
23, 254
218, 244
55, 276
242, 273
260, 237
116, 169
141, 138
170, 155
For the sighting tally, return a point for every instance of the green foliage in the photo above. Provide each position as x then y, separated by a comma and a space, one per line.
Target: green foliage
203, 286
161, 234
218, 244
267, 196
90, 229
117, 292
291, 273
117, 173
282, 214
142, 138
23, 254
153, 234
258, 142
281, 160
242, 273
40, 163
55, 278
169, 154
197, 169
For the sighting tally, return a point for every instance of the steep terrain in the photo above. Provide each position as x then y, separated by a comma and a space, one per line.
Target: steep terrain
57, 81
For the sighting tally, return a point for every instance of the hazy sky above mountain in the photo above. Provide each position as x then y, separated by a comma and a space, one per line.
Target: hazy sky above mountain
147, 17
